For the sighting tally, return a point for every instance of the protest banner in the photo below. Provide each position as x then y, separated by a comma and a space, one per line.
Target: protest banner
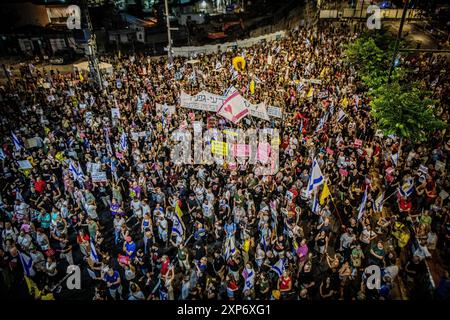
202, 101
274, 112
99, 176
115, 113
241, 150
233, 108
219, 148
24, 164
264, 152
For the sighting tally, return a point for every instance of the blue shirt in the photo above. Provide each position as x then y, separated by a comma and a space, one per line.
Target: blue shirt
131, 247
112, 279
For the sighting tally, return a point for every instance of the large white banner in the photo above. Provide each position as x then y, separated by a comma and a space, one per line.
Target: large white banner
257, 110
274, 112
203, 101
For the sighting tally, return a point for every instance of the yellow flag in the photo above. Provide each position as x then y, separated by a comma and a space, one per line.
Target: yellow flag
344, 102
178, 210
323, 72
325, 193
81, 77
310, 93
252, 87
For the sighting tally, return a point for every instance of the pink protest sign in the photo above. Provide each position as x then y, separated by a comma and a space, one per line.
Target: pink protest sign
241, 150
264, 152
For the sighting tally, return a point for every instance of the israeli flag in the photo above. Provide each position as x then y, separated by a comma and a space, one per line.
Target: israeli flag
362, 207
315, 203
378, 204
94, 255
394, 158
301, 126
341, 115
218, 66
178, 226
320, 125
249, 276
70, 142
300, 86
2, 154
77, 173
123, 141
178, 75
315, 178
17, 143
279, 267
407, 189
264, 242
27, 264
230, 248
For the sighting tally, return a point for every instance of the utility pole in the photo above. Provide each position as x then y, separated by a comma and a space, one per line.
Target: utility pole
169, 38
397, 41
92, 47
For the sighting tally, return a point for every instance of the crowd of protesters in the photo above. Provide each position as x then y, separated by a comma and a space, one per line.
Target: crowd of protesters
121, 232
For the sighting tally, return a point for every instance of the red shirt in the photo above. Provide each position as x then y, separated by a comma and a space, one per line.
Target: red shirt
165, 267
39, 186
285, 283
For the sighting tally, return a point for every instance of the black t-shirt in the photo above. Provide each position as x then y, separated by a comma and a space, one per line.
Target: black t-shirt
218, 263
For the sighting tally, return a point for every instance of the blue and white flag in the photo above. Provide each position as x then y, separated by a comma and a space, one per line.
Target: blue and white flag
278, 267
315, 203
17, 143
407, 188
249, 277
301, 126
2, 154
108, 144
27, 264
18, 194
394, 158
315, 178
356, 101
229, 91
178, 225
77, 173
94, 255
378, 203
341, 115
218, 66
321, 124
123, 141
230, 248
300, 86
362, 207
70, 142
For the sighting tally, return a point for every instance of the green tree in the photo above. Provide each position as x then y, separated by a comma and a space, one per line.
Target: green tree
407, 113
